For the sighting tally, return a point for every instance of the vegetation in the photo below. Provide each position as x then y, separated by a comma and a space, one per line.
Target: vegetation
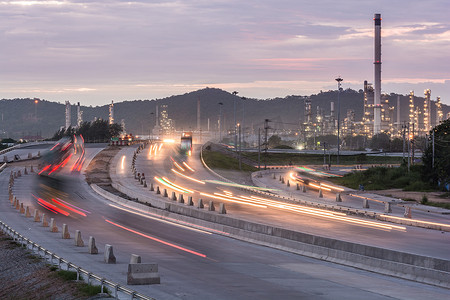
380, 178
84, 288
436, 171
97, 131
318, 159
221, 161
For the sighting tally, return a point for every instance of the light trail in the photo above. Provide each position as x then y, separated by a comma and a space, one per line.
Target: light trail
319, 187
236, 200
177, 186
187, 177
159, 219
171, 221
156, 239
187, 166
265, 203
122, 164
407, 219
69, 208
178, 166
239, 185
160, 180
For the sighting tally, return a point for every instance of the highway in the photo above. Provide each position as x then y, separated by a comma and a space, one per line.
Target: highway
195, 264
396, 237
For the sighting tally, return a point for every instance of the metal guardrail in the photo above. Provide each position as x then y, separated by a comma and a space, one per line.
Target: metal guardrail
47, 254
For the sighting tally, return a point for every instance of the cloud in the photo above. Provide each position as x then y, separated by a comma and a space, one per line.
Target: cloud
150, 49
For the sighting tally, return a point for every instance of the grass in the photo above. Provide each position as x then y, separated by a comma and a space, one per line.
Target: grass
317, 159
217, 160
381, 178
438, 204
84, 288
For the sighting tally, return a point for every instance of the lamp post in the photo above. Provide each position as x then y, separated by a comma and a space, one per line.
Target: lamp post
339, 80
243, 118
220, 121
235, 132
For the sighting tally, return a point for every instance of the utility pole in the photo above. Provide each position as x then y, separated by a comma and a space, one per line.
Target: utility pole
235, 128
266, 128
259, 149
243, 118
409, 147
240, 148
339, 80
403, 134
412, 142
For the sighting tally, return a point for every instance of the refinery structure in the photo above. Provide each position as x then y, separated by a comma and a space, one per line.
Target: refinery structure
379, 115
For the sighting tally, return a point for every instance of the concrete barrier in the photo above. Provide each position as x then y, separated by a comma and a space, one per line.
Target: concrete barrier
190, 202
387, 207
211, 206
320, 193
65, 232
135, 259
222, 209
78, 240
92, 249
338, 197
139, 274
165, 193
200, 203
174, 196
407, 212
44, 220
157, 190
27, 212
36, 218
151, 187
399, 264
365, 203
109, 254
53, 227
181, 199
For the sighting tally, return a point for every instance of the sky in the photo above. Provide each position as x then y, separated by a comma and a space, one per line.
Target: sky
94, 52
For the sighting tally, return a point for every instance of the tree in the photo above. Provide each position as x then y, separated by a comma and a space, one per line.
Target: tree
380, 141
274, 141
436, 169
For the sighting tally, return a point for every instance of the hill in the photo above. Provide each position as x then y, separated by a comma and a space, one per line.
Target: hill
22, 117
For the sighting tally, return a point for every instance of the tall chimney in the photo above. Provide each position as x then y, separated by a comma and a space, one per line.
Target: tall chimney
377, 81
68, 119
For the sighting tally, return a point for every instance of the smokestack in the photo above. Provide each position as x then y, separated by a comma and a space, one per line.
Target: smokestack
68, 119
79, 115
111, 113
398, 113
377, 81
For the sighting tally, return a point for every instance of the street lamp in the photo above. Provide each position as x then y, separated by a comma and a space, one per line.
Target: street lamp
243, 118
339, 80
220, 121
235, 133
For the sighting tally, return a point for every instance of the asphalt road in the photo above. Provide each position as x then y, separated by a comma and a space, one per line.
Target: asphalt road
411, 240
193, 264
